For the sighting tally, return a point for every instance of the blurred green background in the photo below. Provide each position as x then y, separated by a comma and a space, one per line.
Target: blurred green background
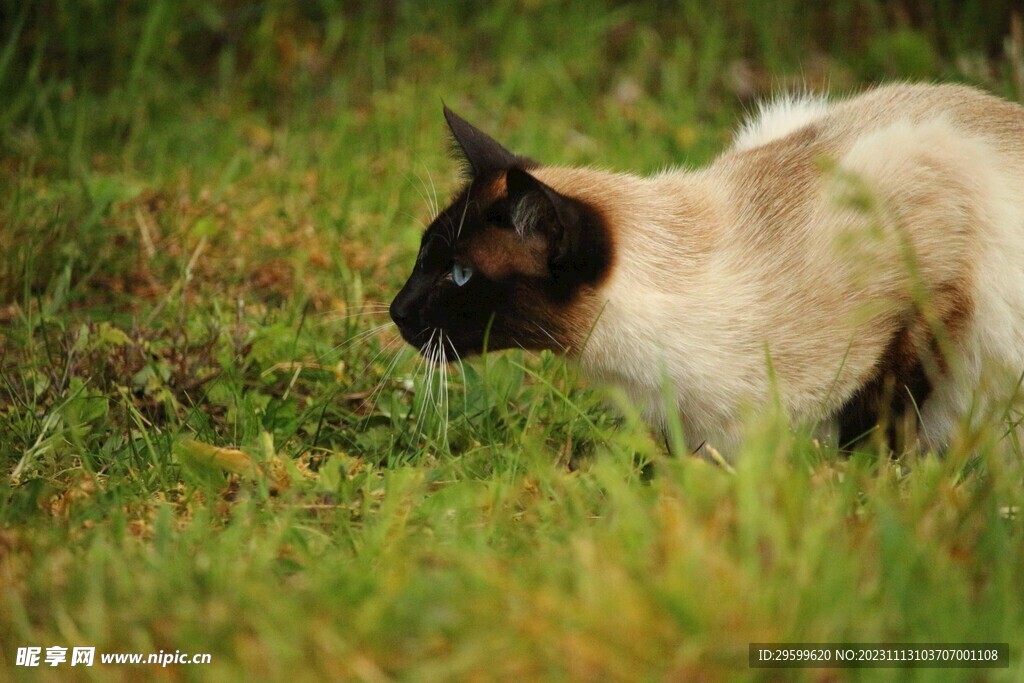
204, 210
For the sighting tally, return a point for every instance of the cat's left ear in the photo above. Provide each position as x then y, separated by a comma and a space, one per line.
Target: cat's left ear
536, 209
482, 153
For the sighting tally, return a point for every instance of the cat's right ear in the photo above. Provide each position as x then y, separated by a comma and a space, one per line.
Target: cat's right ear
480, 153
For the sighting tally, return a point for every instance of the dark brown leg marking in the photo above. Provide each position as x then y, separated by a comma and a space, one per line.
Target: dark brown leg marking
894, 396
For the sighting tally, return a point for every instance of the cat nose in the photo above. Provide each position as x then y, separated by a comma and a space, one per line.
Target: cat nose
407, 308
401, 311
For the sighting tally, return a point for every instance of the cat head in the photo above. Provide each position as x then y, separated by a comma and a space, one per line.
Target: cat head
509, 263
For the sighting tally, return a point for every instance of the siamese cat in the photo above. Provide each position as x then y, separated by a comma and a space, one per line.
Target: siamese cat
859, 261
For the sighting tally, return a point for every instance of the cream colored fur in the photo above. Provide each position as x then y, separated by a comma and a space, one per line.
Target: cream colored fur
785, 267
778, 118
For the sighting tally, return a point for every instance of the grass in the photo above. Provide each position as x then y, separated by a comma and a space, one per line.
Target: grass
202, 215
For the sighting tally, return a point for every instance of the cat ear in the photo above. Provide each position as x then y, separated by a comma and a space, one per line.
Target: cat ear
536, 209
480, 152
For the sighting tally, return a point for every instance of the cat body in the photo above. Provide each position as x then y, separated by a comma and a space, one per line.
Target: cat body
858, 261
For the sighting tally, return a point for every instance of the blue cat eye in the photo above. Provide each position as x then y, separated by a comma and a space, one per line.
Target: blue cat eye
461, 273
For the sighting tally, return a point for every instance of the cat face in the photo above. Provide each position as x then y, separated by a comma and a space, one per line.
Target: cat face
507, 264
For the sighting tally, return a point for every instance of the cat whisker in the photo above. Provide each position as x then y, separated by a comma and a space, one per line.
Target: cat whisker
361, 307
444, 379
431, 398
435, 207
419, 220
462, 371
462, 220
421, 365
358, 337
384, 348
350, 316
439, 404
450, 237
437, 380
451, 230
423, 194
357, 308
379, 389
563, 347
427, 374
431, 202
370, 362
